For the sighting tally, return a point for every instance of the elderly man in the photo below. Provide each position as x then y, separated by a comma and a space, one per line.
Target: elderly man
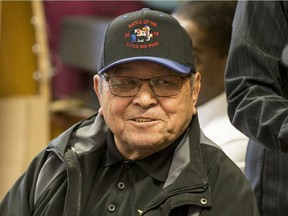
143, 153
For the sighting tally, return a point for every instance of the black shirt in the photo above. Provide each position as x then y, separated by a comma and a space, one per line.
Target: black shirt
124, 187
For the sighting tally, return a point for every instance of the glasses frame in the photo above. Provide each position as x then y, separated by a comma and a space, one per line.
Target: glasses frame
108, 78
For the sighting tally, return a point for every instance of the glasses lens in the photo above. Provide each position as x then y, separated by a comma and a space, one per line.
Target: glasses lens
166, 86
124, 86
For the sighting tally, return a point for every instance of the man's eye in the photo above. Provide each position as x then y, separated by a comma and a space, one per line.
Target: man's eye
127, 82
130, 82
123, 83
166, 82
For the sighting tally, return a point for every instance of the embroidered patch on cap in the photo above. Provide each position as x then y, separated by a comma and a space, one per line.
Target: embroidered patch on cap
142, 34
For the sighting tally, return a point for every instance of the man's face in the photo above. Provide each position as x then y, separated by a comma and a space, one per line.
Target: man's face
146, 123
207, 60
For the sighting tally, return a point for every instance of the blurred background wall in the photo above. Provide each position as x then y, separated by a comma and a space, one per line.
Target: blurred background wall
24, 99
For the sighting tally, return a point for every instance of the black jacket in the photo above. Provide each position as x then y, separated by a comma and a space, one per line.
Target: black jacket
201, 176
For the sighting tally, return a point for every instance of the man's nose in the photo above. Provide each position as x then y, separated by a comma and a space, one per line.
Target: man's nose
145, 97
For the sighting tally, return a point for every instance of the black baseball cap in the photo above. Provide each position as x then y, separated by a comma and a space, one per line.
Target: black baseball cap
147, 35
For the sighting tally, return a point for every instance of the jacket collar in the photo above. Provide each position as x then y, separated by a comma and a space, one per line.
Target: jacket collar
187, 168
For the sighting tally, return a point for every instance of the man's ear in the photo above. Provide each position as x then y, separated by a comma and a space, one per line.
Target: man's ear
97, 89
196, 90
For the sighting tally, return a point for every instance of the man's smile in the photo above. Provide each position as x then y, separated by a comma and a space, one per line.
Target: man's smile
140, 120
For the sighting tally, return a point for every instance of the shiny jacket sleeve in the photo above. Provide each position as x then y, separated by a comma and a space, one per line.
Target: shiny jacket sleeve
21, 197
256, 82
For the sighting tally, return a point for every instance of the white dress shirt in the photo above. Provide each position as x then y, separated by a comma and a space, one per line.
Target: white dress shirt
216, 126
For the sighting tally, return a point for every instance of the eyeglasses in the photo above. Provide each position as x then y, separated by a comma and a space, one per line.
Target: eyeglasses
162, 86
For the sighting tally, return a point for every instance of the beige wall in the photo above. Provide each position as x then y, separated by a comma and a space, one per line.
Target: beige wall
23, 134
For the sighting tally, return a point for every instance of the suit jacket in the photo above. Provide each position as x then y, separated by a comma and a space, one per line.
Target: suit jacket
257, 91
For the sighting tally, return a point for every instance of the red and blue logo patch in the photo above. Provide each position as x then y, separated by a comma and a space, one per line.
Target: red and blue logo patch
141, 35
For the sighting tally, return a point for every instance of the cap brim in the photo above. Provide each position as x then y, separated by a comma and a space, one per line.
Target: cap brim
165, 62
